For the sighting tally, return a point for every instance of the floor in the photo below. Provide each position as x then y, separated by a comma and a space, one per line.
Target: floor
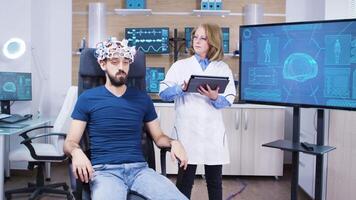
253, 188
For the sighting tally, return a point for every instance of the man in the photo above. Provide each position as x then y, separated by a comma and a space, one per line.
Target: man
113, 115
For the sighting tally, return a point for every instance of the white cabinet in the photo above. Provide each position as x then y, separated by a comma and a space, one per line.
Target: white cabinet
166, 116
247, 128
260, 126
341, 172
232, 120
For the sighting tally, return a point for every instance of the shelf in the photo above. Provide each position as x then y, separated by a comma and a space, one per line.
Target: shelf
232, 54
75, 53
222, 13
296, 147
148, 12
125, 12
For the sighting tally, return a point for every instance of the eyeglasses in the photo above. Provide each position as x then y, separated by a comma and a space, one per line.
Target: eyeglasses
200, 38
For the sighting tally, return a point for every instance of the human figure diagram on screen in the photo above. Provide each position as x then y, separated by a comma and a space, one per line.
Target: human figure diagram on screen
267, 52
337, 51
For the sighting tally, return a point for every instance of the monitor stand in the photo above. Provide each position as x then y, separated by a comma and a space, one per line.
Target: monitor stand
5, 107
319, 150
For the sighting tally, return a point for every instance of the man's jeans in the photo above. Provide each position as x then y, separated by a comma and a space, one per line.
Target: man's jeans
114, 181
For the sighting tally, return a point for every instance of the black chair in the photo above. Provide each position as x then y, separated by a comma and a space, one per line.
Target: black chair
91, 75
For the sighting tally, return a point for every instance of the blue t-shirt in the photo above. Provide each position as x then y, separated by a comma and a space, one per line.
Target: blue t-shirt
114, 123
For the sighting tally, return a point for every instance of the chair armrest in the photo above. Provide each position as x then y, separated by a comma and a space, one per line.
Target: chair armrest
163, 160
24, 134
29, 139
27, 142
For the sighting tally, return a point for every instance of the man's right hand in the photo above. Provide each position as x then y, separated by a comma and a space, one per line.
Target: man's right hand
82, 167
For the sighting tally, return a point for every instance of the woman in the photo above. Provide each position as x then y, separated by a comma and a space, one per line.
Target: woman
199, 123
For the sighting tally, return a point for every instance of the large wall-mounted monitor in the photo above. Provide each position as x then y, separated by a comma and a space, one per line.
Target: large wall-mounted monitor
14, 86
225, 37
149, 40
307, 64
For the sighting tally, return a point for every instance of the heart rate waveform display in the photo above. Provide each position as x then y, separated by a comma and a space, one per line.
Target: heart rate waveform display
306, 64
149, 40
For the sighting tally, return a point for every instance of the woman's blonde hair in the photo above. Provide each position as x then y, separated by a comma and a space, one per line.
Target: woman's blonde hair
213, 34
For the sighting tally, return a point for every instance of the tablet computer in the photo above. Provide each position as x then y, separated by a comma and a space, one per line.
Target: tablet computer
213, 81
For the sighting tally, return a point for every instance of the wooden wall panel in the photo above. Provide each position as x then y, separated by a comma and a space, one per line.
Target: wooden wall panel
116, 24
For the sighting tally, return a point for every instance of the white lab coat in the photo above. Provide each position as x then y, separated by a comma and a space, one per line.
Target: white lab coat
199, 125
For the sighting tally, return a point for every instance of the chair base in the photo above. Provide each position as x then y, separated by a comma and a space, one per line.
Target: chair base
39, 188
36, 191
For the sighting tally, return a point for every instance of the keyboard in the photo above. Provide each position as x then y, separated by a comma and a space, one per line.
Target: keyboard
3, 116
3, 125
13, 118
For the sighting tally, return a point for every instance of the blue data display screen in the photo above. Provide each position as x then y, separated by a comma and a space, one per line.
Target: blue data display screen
149, 40
154, 75
311, 64
15, 86
225, 38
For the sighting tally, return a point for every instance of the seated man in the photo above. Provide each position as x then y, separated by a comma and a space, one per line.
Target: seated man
113, 114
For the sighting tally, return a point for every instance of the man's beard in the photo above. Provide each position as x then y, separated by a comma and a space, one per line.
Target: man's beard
118, 81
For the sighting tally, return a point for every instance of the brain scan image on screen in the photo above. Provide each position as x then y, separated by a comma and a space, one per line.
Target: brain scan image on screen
9, 87
306, 63
300, 67
15, 86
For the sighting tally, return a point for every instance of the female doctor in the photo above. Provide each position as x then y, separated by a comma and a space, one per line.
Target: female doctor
199, 124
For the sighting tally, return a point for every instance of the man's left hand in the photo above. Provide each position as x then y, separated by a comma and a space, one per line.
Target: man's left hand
178, 153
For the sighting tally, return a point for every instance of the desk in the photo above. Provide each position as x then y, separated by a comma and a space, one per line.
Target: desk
31, 123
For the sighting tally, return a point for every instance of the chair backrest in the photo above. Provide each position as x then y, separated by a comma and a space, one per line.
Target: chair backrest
62, 123
91, 75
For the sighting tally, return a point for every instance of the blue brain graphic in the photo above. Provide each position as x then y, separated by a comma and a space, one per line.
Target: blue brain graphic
300, 67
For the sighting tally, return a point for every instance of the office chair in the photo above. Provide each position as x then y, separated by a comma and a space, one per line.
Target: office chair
91, 75
37, 154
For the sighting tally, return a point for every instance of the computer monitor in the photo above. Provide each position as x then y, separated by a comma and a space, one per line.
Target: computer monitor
225, 31
226, 39
154, 75
149, 40
301, 64
14, 86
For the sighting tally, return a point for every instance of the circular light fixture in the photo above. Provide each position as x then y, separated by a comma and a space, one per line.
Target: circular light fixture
14, 48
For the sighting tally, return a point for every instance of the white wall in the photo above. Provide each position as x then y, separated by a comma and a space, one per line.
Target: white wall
305, 10
46, 27
15, 21
51, 53
340, 9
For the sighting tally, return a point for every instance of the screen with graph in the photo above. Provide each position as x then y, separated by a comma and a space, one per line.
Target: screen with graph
154, 75
15, 86
307, 64
149, 40
225, 38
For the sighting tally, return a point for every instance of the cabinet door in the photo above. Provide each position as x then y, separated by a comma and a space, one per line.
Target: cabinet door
166, 116
232, 121
261, 126
341, 172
